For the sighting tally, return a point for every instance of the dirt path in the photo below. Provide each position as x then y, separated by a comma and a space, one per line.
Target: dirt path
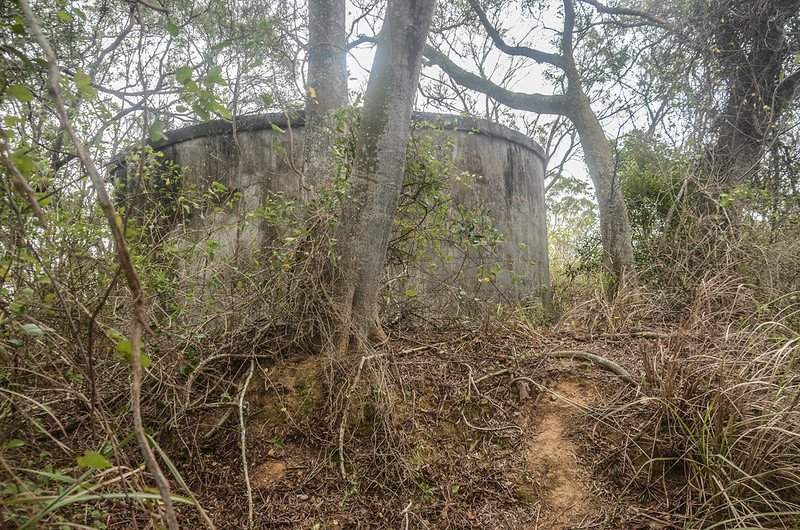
551, 456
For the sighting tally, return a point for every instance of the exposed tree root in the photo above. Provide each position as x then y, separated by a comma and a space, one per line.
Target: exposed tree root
602, 362
346, 406
491, 429
542, 388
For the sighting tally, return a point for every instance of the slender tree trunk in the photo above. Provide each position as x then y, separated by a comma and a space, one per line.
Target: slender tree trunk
615, 229
376, 180
575, 105
326, 90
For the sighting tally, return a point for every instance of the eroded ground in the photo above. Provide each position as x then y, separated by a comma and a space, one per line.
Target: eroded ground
444, 442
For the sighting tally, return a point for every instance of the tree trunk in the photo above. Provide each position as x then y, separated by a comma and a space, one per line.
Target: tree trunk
752, 43
326, 90
574, 104
376, 180
615, 229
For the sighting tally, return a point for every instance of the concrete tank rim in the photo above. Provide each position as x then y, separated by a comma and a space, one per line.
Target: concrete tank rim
256, 122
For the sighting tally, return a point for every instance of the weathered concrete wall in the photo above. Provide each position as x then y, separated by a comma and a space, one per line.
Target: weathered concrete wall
509, 169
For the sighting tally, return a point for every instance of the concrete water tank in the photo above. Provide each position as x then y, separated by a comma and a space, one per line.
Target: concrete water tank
508, 170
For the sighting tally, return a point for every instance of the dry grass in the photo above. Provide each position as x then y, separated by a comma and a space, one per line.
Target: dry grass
713, 435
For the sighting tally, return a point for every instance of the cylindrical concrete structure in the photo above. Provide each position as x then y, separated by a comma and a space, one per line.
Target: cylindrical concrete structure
509, 171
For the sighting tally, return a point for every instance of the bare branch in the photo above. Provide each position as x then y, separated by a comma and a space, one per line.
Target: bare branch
627, 12
362, 39
149, 5
541, 103
521, 51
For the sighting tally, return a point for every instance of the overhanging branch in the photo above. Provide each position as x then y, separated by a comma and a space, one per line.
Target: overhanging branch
520, 51
539, 103
627, 12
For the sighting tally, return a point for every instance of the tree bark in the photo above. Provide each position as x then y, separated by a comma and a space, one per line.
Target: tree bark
376, 180
615, 229
327, 88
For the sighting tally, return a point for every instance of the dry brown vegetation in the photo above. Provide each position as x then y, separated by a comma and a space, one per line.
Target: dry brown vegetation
438, 432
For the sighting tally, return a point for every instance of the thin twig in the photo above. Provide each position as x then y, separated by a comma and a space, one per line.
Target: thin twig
343, 423
494, 374
193, 375
126, 262
243, 439
405, 514
240, 391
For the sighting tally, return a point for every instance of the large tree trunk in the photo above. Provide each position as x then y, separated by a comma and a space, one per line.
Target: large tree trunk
326, 90
615, 229
751, 46
376, 180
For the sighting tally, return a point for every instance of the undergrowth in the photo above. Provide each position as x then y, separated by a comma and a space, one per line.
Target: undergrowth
712, 434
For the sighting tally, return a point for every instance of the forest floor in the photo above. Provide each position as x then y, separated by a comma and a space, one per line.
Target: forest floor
461, 429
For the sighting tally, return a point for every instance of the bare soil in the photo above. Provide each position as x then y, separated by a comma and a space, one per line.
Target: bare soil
553, 458
438, 438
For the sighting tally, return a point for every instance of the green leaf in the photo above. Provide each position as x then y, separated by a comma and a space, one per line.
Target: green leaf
16, 308
24, 163
18, 28
20, 93
276, 129
411, 292
11, 121
267, 99
125, 348
201, 112
183, 74
43, 199
223, 111
173, 29
157, 132
214, 77
66, 17
93, 459
31, 330
13, 444
181, 108
84, 83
